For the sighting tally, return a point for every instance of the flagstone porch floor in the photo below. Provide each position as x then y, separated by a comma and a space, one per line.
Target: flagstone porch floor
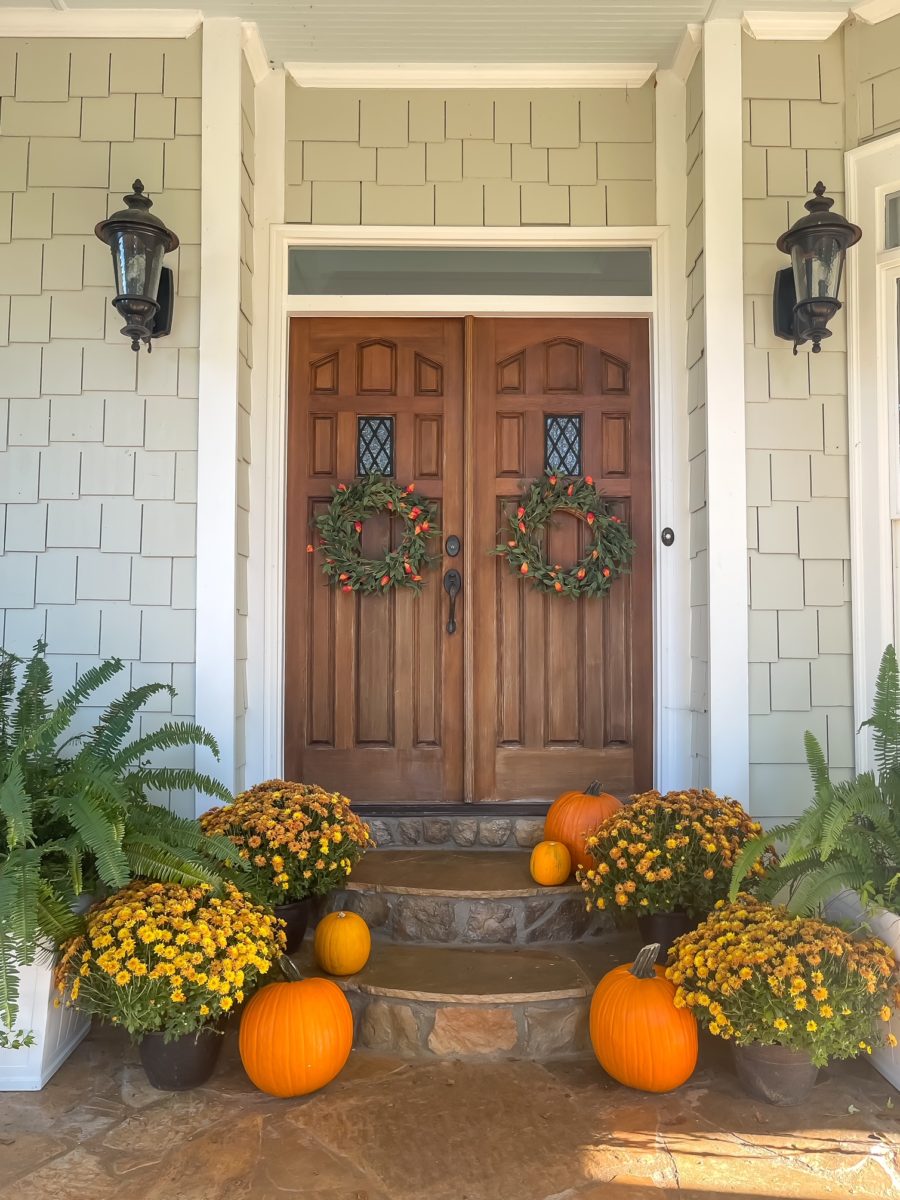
389, 1130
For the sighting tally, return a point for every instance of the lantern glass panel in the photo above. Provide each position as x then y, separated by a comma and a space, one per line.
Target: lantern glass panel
817, 263
138, 260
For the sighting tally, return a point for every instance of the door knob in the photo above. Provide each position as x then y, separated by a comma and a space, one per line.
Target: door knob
452, 586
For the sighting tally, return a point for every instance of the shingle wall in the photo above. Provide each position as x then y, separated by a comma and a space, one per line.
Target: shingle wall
873, 79
97, 444
245, 364
470, 158
798, 507
694, 271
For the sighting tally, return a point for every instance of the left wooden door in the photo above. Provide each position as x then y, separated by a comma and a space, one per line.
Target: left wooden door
373, 684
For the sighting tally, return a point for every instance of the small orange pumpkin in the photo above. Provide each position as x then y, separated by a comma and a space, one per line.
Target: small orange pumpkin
297, 1036
343, 943
639, 1037
551, 864
575, 815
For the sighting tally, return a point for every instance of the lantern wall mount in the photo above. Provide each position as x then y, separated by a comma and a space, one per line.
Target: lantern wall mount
144, 287
806, 293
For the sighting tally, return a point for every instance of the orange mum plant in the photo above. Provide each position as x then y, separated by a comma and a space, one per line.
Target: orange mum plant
159, 957
298, 839
667, 853
752, 972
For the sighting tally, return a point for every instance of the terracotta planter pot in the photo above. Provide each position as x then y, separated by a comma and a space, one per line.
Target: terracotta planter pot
182, 1064
664, 928
776, 1074
296, 918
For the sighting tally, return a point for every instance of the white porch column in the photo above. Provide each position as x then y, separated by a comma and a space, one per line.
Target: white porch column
729, 721
220, 256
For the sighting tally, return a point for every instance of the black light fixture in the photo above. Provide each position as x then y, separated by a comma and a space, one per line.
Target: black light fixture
806, 293
144, 287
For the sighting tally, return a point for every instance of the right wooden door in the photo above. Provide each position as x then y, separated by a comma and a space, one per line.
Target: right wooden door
563, 689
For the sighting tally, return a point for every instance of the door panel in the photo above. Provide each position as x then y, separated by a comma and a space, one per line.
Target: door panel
373, 695
563, 689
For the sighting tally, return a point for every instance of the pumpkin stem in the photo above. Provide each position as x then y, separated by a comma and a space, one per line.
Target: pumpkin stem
289, 969
644, 963
593, 788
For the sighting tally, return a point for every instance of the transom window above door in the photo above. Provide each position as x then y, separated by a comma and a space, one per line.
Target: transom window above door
447, 271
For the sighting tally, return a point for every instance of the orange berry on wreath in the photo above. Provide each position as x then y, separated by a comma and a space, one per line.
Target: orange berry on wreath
524, 568
310, 549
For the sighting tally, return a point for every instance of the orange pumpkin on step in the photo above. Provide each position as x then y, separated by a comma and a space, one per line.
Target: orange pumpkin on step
343, 943
575, 815
551, 864
297, 1036
640, 1038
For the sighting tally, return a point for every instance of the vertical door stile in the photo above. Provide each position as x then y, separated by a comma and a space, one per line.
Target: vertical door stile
468, 557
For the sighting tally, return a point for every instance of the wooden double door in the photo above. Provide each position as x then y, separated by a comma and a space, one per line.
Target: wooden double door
532, 694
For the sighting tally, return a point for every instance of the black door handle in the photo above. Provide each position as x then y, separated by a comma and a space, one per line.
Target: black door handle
452, 586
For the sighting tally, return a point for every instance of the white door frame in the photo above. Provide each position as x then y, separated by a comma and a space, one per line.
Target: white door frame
873, 172
670, 565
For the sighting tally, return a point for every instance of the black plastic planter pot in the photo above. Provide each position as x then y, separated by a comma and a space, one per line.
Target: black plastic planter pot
664, 928
776, 1074
296, 918
182, 1064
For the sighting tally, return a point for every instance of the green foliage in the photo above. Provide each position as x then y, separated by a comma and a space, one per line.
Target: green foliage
849, 837
340, 529
609, 547
74, 813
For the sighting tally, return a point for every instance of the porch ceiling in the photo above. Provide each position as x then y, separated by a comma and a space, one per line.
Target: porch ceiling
469, 31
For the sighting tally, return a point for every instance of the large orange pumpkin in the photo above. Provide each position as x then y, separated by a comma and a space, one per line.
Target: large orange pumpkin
638, 1035
551, 864
295, 1037
343, 943
575, 815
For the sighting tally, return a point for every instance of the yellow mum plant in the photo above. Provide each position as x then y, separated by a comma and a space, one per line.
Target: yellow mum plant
159, 957
668, 853
298, 840
755, 973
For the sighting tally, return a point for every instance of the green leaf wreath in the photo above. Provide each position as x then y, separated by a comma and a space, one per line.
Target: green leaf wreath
340, 527
607, 556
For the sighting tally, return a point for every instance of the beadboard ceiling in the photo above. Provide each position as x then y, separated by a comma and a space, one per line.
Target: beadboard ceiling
465, 31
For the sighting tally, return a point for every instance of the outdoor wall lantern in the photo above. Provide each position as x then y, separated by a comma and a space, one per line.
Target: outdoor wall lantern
144, 287
806, 293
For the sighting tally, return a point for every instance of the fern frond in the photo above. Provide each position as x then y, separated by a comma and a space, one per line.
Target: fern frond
885, 719
56, 920
15, 806
178, 779
9, 973
116, 722
160, 823
9, 665
858, 798
31, 706
749, 854
21, 875
814, 889
171, 736
46, 734
155, 860
100, 836
816, 761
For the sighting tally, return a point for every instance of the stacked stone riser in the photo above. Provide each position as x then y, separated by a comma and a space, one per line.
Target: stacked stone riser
447, 833
483, 1032
459, 920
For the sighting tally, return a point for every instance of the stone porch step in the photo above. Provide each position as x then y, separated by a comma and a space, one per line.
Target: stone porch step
464, 897
478, 1003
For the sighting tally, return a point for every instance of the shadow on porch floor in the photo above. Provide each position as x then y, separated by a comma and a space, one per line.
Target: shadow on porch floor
387, 1130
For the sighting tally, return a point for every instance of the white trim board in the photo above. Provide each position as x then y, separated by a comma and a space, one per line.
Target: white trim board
872, 172
873, 12
100, 23
468, 75
255, 51
220, 266
671, 661
726, 457
808, 26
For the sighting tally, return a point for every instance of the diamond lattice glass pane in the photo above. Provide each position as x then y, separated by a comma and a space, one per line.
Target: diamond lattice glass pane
375, 446
563, 444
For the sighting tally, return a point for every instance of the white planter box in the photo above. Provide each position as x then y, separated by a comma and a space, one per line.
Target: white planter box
57, 1032
846, 906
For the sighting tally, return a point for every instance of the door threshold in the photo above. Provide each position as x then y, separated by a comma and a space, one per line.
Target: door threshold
413, 808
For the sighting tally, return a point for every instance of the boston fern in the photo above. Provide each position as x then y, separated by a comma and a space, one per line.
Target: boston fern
74, 817
849, 837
